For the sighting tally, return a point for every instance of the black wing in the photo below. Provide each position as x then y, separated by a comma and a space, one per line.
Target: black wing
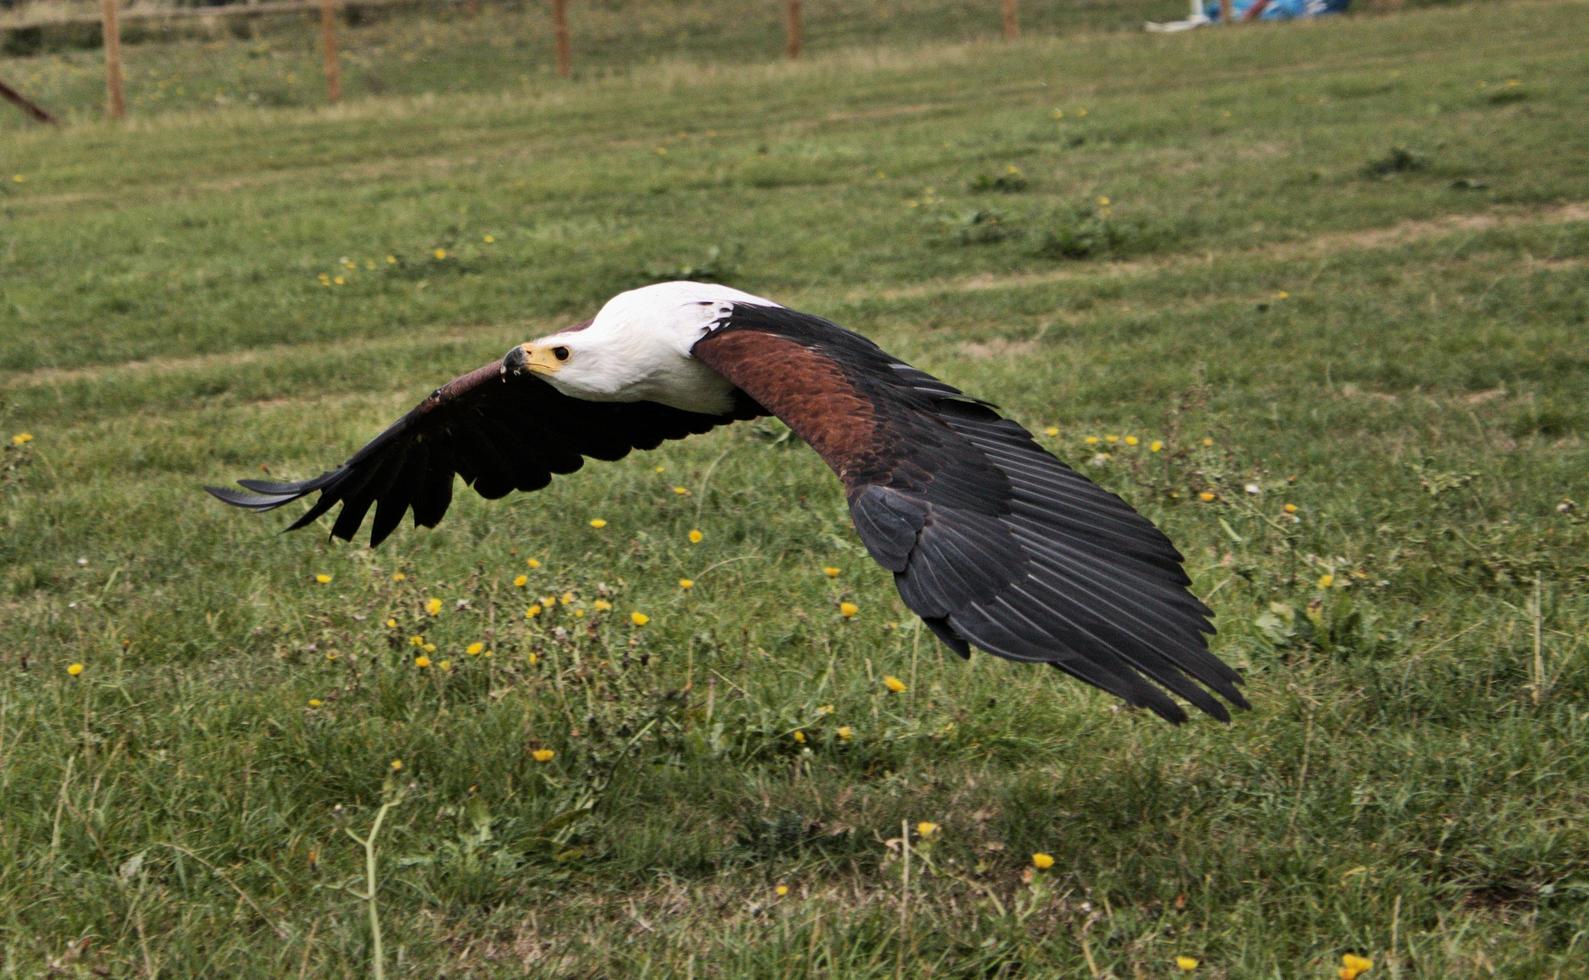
498, 431
992, 541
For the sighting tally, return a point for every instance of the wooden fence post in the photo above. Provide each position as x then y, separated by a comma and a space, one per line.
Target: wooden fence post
791, 23
1012, 27
1224, 11
110, 36
328, 45
565, 65
27, 105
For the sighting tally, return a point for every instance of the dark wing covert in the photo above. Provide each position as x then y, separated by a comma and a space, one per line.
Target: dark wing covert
498, 431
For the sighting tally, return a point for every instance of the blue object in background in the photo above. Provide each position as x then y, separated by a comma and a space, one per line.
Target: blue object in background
1279, 9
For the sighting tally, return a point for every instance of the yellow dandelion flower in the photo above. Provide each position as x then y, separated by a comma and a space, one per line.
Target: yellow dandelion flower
1155, 446
489, 239
823, 710
315, 702
1111, 440
19, 178
416, 640
1042, 861
433, 607
532, 562
682, 491
1357, 964
830, 571
926, 828
660, 469
339, 280
391, 260
323, 578
579, 614
21, 438
781, 891
398, 576
533, 611
397, 765
74, 669
391, 624
848, 609
422, 661
534, 659
602, 605
1326, 580
568, 598
844, 732
543, 755
1052, 430
439, 254
1091, 440
799, 737
1207, 441
445, 665
520, 581
639, 618
686, 583
1207, 496
429, 648
1290, 508
894, 684
1132, 440
474, 649
1186, 964
695, 536
597, 523
1103, 200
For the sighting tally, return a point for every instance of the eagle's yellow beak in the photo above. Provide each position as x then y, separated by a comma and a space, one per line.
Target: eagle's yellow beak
529, 357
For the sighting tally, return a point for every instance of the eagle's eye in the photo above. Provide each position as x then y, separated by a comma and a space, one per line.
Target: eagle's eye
561, 353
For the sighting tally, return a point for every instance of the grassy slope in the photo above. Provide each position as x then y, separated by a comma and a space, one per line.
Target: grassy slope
1406, 786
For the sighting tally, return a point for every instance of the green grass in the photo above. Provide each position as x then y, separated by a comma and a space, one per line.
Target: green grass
1393, 349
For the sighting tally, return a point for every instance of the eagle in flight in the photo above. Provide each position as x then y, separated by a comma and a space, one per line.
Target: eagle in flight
992, 541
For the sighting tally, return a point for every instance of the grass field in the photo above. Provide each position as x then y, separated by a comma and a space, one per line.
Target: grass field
1343, 263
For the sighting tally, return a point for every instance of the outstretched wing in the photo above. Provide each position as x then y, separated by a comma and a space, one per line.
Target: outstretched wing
992, 541
498, 431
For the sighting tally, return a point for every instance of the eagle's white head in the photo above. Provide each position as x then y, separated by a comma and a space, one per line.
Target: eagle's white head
638, 349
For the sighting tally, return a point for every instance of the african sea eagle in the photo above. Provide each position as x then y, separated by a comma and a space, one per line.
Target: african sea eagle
992, 541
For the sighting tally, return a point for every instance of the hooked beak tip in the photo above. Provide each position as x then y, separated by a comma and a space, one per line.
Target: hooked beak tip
516, 361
